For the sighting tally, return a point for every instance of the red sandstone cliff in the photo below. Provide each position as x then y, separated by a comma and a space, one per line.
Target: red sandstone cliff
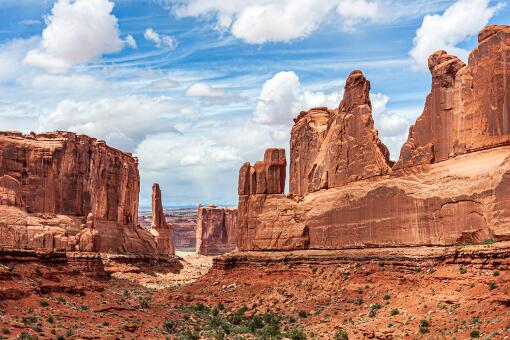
344, 193
216, 230
50, 182
330, 148
162, 231
468, 108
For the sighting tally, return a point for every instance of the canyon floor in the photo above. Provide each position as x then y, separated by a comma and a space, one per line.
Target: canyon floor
436, 293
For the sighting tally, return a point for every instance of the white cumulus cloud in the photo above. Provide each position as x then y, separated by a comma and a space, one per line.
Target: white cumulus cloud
203, 90
160, 40
261, 21
353, 12
123, 122
77, 32
461, 20
130, 40
282, 98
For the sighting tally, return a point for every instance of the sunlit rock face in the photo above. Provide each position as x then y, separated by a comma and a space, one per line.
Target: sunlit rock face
50, 182
468, 108
216, 230
451, 184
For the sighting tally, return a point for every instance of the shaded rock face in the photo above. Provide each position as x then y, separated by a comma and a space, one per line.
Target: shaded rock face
216, 230
253, 183
344, 194
161, 230
468, 108
330, 148
50, 182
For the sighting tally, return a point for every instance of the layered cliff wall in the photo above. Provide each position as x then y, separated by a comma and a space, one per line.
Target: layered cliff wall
216, 230
468, 108
50, 182
451, 184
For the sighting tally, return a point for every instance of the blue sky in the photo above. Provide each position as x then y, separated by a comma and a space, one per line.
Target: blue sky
196, 87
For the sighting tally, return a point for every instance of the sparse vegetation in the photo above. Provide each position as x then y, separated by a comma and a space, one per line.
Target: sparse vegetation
394, 311
168, 327
492, 285
386, 297
302, 314
496, 273
341, 335
424, 326
6, 331
144, 303
489, 241
462, 270
44, 303
474, 334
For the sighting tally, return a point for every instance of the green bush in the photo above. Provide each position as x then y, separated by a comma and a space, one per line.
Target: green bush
386, 297
394, 311
424, 326
44, 303
492, 285
302, 314
496, 273
462, 270
341, 335
296, 334
50, 319
5, 331
474, 334
168, 326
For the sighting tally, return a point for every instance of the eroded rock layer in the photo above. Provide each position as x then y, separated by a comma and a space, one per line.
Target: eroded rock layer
468, 108
216, 230
344, 194
50, 182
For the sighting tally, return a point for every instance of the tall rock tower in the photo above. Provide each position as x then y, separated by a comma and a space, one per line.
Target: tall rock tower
160, 229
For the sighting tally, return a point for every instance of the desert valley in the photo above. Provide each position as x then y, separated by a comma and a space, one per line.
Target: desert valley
334, 240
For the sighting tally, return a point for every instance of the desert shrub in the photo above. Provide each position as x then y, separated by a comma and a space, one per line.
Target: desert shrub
341, 335
144, 303
50, 319
492, 285
6, 331
386, 297
302, 314
496, 273
424, 326
168, 326
44, 303
296, 334
462, 270
474, 334
394, 312
489, 241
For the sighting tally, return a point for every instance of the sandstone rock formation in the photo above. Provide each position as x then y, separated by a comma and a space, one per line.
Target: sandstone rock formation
161, 230
330, 148
468, 108
344, 194
216, 230
49, 182
88, 239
